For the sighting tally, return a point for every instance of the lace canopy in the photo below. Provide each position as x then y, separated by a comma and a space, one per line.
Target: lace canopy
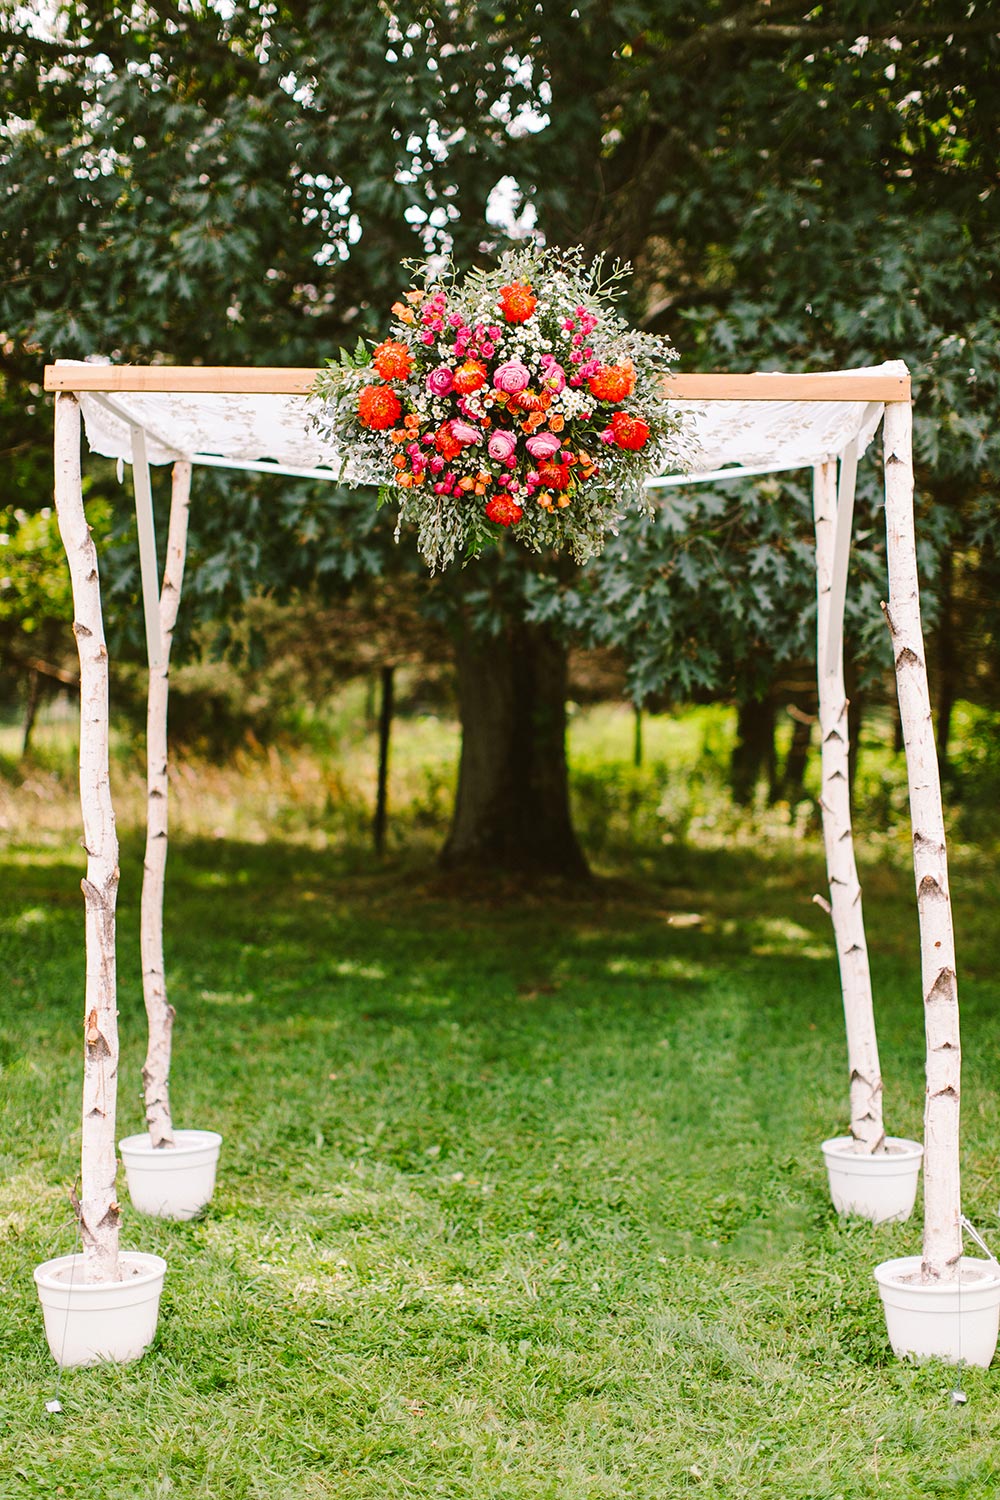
276, 431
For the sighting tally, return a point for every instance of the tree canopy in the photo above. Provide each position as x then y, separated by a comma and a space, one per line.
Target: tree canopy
797, 186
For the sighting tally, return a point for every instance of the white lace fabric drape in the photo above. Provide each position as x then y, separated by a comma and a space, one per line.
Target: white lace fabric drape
242, 428
248, 429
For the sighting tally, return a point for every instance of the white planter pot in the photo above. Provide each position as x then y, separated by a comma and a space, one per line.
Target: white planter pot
91, 1323
881, 1188
954, 1321
173, 1182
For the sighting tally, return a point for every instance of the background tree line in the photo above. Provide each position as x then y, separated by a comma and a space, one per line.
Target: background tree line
797, 186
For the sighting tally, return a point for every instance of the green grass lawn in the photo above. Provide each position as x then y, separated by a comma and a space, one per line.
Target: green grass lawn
521, 1192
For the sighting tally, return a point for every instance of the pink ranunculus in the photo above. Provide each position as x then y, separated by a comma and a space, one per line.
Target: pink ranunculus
439, 382
502, 445
543, 445
512, 377
554, 378
464, 433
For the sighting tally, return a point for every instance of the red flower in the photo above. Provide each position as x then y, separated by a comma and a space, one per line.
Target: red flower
378, 407
469, 377
448, 446
554, 476
629, 432
612, 382
517, 302
392, 360
504, 510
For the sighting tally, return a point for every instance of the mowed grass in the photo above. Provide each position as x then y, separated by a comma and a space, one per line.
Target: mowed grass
521, 1193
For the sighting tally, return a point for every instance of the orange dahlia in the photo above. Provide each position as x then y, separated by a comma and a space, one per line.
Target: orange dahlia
504, 510
612, 382
554, 476
517, 302
629, 432
469, 376
448, 446
392, 360
378, 407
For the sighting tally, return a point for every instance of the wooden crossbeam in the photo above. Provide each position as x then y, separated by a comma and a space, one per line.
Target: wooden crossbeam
273, 381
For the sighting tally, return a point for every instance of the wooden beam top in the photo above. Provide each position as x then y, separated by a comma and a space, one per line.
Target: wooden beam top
824, 386
275, 381
182, 379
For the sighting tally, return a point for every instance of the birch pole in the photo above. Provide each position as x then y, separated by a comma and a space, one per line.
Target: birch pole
97, 1207
842, 875
159, 1012
942, 1248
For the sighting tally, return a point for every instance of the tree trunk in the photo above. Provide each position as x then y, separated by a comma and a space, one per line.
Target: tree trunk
384, 732
512, 805
942, 1247
842, 874
31, 708
793, 772
159, 1012
753, 753
97, 1207
855, 721
947, 657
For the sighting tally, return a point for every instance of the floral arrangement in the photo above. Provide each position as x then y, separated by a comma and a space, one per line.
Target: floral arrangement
511, 400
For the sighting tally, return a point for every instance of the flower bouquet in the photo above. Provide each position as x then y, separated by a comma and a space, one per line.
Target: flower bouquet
509, 400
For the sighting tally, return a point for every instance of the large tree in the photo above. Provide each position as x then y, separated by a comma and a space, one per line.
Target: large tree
797, 185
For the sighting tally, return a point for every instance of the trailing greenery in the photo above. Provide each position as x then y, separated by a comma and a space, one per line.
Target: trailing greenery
521, 1195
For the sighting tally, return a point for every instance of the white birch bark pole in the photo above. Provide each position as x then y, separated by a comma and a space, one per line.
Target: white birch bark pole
835, 804
159, 1012
98, 1207
942, 1246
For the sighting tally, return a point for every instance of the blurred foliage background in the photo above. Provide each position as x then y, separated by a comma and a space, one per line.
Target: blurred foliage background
237, 181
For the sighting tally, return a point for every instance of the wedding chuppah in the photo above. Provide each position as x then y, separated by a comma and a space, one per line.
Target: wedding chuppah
726, 427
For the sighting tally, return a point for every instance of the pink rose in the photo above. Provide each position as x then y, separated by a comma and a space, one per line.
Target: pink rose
554, 378
439, 381
502, 445
511, 378
465, 434
543, 445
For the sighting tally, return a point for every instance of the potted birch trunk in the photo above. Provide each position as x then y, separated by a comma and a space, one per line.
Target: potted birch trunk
171, 1173
101, 1303
871, 1175
940, 1302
